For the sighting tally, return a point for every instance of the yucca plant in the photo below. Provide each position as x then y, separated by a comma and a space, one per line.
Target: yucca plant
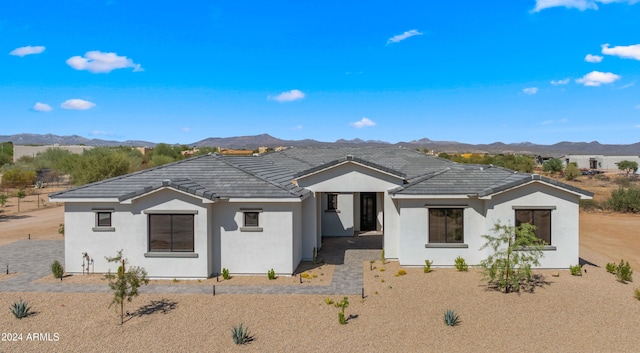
241, 335
20, 309
451, 318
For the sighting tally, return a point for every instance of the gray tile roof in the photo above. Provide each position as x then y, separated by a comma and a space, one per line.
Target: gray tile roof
271, 175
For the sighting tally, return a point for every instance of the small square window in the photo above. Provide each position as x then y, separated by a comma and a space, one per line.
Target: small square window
251, 219
103, 219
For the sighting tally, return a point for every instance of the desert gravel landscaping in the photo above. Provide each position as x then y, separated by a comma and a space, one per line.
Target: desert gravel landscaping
591, 313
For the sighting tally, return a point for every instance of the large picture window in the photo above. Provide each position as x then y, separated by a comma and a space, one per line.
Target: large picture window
170, 233
539, 218
445, 225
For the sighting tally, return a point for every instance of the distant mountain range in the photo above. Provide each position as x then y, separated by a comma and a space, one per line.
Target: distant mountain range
253, 142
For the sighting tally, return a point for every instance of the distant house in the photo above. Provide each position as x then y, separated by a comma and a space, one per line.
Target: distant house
192, 218
601, 162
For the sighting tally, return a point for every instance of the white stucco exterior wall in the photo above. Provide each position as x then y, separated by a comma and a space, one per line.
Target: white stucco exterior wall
130, 233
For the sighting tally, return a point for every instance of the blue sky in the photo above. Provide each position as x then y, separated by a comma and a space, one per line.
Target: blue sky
542, 71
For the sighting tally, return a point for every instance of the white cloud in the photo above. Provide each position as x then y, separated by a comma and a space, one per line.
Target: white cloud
626, 52
597, 78
529, 91
288, 96
41, 107
77, 104
593, 58
576, 4
28, 50
99, 62
630, 84
364, 122
297, 127
99, 133
560, 82
185, 129
400, 37
561, 121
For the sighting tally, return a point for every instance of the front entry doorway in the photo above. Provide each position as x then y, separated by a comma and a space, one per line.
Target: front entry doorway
368, 211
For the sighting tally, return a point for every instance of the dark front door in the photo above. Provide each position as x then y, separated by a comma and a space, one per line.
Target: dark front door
367, 211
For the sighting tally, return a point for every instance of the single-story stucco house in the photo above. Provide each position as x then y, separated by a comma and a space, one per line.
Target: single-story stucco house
192, 218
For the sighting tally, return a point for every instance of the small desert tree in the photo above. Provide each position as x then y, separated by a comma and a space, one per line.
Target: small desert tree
515, 250
125, 283
628, 166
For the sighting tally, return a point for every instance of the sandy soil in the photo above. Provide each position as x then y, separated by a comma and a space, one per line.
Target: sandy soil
38, 219
591, 313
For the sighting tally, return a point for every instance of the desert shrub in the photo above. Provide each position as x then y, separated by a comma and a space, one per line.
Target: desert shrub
451, 318
61, 229
625, 200
3, 199
575, 270
20, 309
611, 267
241, 335
57, 269
401, 272
328, 301
427, 266
624, 272
602, 177
271, 274
553, 165
623, 182
571, 172
225, 273
305, 275
590, 205
637, 293
461, 264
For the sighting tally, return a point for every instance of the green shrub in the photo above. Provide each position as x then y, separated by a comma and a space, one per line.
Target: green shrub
57, 269
328, 301
343, 304
611, 267
625, 200
637, 293
20, 309
427, 266
451, 318
461, 264
571, 172
241, 335
271, 274
624, 272
225, 273
576, 270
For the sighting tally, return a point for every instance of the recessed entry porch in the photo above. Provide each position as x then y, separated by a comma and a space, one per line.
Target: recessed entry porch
350, 213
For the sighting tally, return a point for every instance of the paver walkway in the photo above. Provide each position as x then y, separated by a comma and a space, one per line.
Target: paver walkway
32, 260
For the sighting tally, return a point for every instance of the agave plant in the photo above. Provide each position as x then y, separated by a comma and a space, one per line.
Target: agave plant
241, 335
451, 318
20, 309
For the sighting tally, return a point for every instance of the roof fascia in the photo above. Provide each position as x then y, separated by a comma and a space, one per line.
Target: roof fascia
82, 199
540, 181
131, 200
425, 196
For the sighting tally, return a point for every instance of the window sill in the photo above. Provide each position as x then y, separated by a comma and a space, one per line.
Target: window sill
446, 245
251, 229
544, 248
177, 255
103, 229
332, 211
